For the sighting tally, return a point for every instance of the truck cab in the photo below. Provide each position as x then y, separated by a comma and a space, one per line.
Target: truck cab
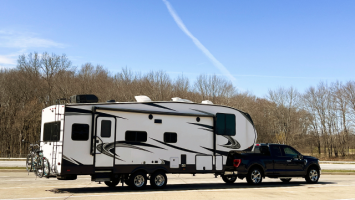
273, 161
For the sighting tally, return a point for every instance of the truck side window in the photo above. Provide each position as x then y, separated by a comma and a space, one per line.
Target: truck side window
170, 137
51, 132
225, 124
290, 152
275, 150
136, 136
105, 128
80, 132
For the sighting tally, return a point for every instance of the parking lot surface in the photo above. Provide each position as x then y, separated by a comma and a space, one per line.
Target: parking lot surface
21, 185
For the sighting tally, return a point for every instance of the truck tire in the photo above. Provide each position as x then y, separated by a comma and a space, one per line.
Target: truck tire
112, 183
229, 179
255, 176
285, 180
138, 180
312, 175
158, 180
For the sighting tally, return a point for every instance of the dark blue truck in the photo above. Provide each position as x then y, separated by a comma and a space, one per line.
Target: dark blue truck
273, 161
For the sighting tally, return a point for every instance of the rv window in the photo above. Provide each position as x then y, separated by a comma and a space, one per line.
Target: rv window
136, 136
51, 132
225, 124
80, 132
105, 128
170, 137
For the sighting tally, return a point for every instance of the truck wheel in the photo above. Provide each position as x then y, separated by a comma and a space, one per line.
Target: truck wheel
229, 179
312, 175
138, 180
158, 180
254, 176
112, 183
285, 180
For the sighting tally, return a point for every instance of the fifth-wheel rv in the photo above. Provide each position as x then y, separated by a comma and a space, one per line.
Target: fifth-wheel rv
132, 142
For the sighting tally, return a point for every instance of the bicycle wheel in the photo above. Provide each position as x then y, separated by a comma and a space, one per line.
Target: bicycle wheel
29, 162
39, 167
34, 164
46, 168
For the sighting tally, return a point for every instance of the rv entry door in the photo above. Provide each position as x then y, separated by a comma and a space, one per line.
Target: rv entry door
105, 138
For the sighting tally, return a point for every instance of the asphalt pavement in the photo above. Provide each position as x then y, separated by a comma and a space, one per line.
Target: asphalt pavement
24, 186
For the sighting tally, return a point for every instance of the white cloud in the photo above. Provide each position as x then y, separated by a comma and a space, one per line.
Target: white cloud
7, 60
199, 45
13, 39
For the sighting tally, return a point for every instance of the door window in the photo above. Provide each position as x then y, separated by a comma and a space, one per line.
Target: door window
275, 150
290, 152
106, 128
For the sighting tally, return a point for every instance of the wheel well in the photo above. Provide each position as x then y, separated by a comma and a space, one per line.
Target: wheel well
140, 170
313, 165
159, 170
259, 167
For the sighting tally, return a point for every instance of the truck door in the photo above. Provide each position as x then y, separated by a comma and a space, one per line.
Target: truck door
105, 138
293, 165
278, 160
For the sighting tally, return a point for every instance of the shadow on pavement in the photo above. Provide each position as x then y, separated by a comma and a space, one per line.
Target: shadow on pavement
183, 187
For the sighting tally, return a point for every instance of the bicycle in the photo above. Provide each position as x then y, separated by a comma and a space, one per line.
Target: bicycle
35, 162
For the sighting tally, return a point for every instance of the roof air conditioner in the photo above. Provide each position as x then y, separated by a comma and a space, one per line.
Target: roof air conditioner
206, 102
142, 98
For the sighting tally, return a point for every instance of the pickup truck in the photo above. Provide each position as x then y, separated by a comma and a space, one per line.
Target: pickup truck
273, 161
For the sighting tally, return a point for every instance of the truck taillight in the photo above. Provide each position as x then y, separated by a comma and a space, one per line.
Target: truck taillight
236, 162
58, 163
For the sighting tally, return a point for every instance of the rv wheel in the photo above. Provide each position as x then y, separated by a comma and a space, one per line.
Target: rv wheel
138, 180
158, 180
229, 179
112, 183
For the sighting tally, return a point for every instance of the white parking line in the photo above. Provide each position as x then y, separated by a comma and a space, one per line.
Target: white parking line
137, 193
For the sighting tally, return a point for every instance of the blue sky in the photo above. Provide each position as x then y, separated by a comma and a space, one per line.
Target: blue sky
260, 45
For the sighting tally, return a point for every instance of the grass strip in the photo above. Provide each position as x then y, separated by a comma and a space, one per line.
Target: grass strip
343, 171
12, 167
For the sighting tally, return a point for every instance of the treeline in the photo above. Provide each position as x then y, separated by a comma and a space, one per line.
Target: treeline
318, 121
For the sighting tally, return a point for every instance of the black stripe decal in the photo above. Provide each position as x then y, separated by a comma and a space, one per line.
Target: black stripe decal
202, 111
179, 148
158, 106
210, 130
139, 144
203, 125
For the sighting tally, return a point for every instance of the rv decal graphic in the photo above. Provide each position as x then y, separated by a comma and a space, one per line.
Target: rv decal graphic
158, 106
108, 148
176, 147
232, 143
203, 125
71, 160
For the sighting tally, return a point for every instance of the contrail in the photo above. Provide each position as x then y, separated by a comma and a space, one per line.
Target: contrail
182, 26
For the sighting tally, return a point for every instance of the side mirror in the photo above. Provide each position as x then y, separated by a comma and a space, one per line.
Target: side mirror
300, 157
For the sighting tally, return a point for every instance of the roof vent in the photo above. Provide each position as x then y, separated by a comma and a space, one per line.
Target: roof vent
206, 102
142, 98
178, 99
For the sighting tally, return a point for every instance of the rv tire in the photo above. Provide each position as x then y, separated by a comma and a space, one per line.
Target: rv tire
112, 183
229, 179
138, 180
158, 180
